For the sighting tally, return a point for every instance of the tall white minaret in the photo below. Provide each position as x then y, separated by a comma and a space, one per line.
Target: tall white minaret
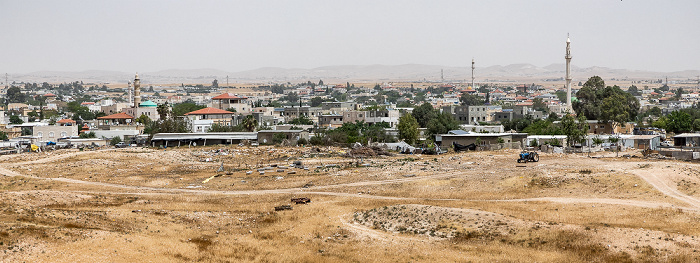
473, 74
568, 75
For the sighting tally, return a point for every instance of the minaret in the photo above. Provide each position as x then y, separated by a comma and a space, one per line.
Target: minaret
137, 91
568, 75
473, 74
131, 95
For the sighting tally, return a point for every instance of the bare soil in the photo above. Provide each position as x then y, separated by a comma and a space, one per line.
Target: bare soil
217, 204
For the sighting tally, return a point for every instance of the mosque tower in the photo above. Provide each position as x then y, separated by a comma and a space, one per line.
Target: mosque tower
131, 95
568, 75
473, 74
137, 91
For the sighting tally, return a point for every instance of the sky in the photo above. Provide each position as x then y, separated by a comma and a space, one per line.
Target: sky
147, 36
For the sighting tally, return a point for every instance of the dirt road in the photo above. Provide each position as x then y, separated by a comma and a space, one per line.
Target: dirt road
651, 176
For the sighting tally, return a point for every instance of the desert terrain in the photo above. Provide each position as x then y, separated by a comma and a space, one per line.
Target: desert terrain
217, 204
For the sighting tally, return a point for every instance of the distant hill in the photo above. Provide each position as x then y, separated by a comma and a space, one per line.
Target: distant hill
342, 73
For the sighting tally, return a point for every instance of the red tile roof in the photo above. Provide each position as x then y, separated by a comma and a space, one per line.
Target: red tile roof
65, 121
228, 96
120, 115
208, 110
49, 95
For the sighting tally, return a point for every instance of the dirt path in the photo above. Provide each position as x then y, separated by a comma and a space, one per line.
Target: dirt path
366, 232
609, 201
651, 176
655, 178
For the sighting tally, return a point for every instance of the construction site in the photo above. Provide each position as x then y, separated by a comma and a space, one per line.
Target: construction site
327, 204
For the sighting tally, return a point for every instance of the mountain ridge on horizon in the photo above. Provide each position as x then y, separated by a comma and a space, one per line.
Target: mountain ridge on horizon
352, 72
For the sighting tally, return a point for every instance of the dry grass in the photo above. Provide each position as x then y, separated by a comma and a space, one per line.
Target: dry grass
187, 220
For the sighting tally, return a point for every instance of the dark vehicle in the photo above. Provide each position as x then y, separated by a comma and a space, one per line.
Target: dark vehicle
529, 157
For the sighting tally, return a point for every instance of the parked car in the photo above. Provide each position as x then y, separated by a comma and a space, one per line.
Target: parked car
121, 145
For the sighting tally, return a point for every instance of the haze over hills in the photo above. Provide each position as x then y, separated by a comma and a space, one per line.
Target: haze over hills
342, 73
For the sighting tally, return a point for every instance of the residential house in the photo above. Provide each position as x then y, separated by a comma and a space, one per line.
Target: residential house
228, 101
201, 120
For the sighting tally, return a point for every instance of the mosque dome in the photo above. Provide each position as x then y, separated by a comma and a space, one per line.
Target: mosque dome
148, 104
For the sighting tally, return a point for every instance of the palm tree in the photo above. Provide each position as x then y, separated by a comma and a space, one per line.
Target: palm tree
249, 123
615, 140
596, 141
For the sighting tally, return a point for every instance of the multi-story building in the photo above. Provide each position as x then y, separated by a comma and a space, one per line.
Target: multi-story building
229, 101
202, 120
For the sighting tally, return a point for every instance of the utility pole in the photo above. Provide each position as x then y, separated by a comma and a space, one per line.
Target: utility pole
442, 76
227, 86
6, 83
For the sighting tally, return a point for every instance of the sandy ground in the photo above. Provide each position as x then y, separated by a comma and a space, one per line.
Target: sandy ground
197, 204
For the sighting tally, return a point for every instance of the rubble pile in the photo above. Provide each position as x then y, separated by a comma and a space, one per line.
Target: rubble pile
368, 152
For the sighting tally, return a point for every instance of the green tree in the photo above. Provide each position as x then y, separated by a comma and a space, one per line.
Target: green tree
302, 120
215, 127
3, 136
561, 95
615, 112
696, 125
606, 104
316, 101
408, 129
634, 91
574, 128
679, 94
291, 97
188, 106
543, 127
678, 122
15, 95
215, 84
115, 140
143, 119
424, 113
655, 111
14, 119
87, 135
588, 96
442, 124
471, 100
540, 105
163, 111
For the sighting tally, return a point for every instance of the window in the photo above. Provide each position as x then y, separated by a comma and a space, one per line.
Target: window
40, 134
51, 134
64, 134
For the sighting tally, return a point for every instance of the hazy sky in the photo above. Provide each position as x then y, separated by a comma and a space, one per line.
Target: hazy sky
148, 36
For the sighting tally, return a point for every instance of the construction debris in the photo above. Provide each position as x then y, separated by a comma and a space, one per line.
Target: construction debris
301, 200
368, 152
283, 207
